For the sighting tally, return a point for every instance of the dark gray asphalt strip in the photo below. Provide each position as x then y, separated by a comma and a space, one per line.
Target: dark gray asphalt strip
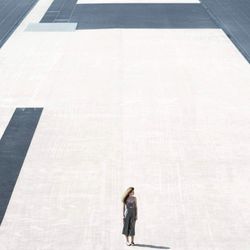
11, 15
14, 145
170, 16
129, 15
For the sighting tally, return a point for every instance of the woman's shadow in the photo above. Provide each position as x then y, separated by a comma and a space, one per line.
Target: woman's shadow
151, 246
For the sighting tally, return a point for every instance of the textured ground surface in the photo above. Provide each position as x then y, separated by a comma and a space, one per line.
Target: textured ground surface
163, 110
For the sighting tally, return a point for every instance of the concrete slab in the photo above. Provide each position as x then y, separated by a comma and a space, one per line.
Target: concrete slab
163, 110
51, 27
161, 118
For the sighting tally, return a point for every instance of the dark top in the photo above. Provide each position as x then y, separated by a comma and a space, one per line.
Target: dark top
131, 205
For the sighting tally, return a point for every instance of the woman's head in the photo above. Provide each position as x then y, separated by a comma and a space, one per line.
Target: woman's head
127, 193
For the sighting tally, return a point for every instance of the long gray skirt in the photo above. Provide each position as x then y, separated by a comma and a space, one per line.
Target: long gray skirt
129, 223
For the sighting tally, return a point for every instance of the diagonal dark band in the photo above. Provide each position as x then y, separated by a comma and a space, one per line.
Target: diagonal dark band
12, 13
14, 145
132, 15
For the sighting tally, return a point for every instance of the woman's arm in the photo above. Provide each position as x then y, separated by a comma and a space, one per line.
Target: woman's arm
136, 210
123, 210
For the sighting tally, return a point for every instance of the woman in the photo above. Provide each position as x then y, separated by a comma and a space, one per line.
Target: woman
129, 215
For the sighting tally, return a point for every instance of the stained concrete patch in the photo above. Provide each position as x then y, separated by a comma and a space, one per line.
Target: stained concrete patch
60, 27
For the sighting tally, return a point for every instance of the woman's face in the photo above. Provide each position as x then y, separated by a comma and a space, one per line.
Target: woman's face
131, 193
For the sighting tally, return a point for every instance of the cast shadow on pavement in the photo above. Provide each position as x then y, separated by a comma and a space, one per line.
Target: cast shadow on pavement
151, 246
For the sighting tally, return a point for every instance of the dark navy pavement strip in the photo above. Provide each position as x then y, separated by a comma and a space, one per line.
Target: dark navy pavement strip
14, 145
12, 13
172, 16
233, 16
7, 8
132, 15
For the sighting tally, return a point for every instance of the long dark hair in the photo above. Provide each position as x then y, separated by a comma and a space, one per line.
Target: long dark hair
126, 194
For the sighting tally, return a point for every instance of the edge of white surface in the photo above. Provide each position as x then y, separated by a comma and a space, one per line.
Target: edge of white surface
6, 115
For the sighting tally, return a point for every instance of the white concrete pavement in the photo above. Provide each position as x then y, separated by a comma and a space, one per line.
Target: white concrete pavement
165, 111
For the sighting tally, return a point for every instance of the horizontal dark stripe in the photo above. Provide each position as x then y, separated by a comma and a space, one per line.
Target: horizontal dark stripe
14, 145
129, 15
98, 16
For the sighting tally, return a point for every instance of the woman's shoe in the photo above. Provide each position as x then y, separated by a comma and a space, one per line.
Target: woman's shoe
128, 244
132, 243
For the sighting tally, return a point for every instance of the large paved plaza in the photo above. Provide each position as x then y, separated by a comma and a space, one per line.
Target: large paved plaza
97, 96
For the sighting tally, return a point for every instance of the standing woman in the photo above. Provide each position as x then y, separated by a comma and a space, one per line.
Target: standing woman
129, 215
